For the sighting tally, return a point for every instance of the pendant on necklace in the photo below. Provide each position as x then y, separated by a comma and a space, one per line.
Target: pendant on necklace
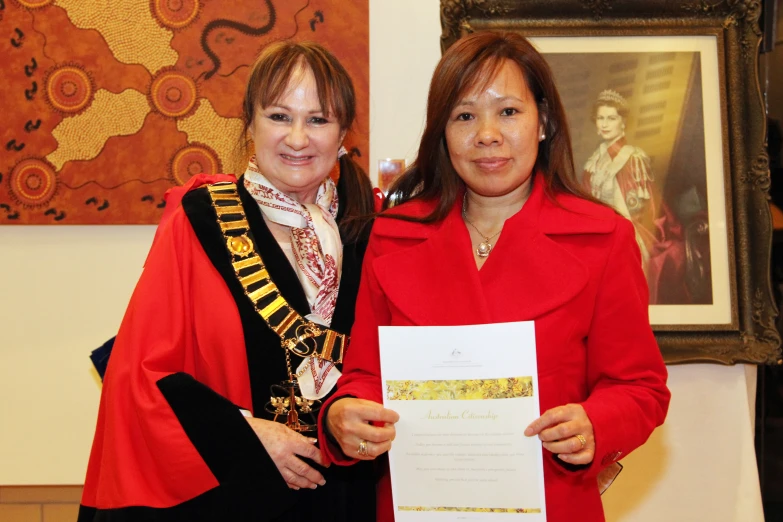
484, 249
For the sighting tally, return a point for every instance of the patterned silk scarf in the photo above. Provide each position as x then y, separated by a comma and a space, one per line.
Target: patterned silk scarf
317, 248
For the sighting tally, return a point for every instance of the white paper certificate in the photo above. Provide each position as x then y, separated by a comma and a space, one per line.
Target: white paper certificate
465, 395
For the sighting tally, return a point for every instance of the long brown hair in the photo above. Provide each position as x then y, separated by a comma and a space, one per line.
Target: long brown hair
474, 61
268, 81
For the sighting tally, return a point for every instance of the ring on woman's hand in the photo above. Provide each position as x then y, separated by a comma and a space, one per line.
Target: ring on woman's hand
362, 451
581, 438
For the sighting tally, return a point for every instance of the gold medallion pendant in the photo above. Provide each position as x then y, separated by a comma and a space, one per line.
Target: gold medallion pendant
286, 405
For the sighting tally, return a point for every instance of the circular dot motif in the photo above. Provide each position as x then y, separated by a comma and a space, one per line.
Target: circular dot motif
33, 182
192, 160
175, 14
69, 89
173, 94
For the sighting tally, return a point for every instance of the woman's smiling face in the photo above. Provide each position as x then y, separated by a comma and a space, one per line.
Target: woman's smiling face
295, 142
493, 134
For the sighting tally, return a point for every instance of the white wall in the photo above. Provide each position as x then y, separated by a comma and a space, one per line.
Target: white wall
700, 465
401, 66
63, 291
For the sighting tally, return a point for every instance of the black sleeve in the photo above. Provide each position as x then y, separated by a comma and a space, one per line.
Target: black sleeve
222, 436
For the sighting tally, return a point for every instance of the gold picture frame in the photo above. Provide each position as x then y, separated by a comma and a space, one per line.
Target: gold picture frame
728, 316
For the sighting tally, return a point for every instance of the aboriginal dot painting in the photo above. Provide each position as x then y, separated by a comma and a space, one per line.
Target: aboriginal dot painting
106, 104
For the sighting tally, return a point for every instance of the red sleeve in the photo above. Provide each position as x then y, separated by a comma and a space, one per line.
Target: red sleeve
138, 440
361, 376
626, 375
149, 449
173, 196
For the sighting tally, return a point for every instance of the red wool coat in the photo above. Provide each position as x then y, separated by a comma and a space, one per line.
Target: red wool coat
571, 266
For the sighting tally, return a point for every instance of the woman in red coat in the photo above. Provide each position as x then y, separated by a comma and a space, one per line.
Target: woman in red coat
493, 227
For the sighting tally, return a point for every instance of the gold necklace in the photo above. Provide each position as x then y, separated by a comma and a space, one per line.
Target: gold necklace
485, 247
298, 335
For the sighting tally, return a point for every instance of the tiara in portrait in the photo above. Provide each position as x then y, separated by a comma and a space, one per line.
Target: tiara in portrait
613, 97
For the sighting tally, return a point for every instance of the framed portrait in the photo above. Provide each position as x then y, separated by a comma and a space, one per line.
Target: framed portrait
646, 127
388, 171
667, 127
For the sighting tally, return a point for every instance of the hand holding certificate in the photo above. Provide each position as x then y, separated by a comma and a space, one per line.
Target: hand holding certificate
464, 400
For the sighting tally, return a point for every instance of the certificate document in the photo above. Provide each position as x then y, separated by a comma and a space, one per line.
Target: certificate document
465, 395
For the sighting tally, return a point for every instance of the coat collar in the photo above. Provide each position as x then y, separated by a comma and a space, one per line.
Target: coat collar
435, 281
559, 214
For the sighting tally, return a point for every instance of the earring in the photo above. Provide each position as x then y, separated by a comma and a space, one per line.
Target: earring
542, 137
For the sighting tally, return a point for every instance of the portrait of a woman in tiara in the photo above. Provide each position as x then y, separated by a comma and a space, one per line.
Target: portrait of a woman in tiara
620, 174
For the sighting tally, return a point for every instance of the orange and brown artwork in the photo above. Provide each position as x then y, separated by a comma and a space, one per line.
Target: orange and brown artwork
106, 105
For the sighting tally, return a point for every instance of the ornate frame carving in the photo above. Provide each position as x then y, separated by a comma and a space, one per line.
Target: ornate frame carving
753, 338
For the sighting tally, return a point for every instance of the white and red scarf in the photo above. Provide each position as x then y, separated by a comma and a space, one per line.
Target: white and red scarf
318, 252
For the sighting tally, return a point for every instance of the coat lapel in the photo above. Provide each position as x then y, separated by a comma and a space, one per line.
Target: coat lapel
434, 282
529, 273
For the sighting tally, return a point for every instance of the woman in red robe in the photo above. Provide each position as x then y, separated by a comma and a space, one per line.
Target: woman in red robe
207, 408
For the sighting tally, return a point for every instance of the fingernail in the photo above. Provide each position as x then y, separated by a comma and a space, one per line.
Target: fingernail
322, 483
313, 441
528, 431
314, 486
564, 457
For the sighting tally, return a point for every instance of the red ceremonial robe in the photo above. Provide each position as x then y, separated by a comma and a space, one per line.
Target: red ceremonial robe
571, 266
171, 443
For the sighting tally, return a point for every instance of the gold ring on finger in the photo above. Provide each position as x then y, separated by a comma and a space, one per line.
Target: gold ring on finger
362, 451
582, 440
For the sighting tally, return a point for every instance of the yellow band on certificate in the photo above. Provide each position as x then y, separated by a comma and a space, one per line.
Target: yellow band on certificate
460, 390
469, 510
